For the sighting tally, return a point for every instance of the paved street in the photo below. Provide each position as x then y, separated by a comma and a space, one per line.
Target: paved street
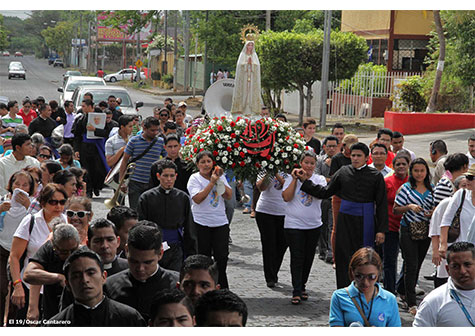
266, 307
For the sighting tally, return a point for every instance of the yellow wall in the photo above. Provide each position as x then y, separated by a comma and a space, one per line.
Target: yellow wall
366, 20
413, 22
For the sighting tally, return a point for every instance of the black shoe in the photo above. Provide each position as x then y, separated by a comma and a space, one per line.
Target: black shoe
271, 284
97, 192
329, 259
89, 194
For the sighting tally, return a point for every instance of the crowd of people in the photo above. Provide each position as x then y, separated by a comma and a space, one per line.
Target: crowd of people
162, 260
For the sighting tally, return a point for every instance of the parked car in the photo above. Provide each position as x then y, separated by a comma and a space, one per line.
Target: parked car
68, 74
18, 54
102, 93
6, 53
124, 74
51, 59
58, 63
73, 82
16, 70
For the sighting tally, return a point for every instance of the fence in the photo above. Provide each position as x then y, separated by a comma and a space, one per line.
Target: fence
365, 95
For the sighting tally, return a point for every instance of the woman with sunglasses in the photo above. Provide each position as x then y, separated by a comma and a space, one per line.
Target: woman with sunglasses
52, 198
79, 213
45, 153
378, 306
10, 218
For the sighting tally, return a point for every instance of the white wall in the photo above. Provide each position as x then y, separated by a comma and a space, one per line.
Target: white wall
290, 101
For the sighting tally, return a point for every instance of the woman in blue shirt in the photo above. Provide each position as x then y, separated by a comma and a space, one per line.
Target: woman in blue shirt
377, 304
415, 202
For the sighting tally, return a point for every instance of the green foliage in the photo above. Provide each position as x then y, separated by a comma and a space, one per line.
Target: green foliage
59, 37
304, 26
134, 19
168, 78
3, 35
158, 42
361, 84
411, 94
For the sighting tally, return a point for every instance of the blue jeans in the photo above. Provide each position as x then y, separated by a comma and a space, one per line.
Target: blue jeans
391, 251
248, 191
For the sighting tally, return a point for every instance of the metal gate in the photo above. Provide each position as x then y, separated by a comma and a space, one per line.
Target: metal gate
355, 97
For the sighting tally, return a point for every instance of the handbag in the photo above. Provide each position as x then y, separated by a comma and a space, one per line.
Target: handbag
366, 322
419, 230
454, 229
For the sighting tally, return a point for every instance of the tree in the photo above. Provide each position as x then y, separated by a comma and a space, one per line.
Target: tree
292, 61
440, 66
59, 37
3, 35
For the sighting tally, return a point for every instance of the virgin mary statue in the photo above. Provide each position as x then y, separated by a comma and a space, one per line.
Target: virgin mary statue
247, 84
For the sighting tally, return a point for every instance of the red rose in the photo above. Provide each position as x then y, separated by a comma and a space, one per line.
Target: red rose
216, 141
233, 165
286, 161
238, 118
306, 147
268, 157
241, 154
229, 149
242, 163
215, 118
211, 131
223, 118
220, 128
236, 145
195, 149
215, 153
287, 137
202, 149
296, 146
258, 165
233, 135
232, 124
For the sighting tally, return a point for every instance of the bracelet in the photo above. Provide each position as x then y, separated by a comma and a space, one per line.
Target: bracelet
16, 282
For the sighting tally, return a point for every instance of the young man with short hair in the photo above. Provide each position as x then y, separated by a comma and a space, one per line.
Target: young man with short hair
70, 116
12, 119
198, 275
451, 305
397, 144
85, 276
152, 146
363, 214
20, 158
170, 209
43, 124
338, 130
220, 308
124, 218
471, 150
172, 147
385, 137
135, 286
380, 154
438, 155
116, 144
103, 238
171, 308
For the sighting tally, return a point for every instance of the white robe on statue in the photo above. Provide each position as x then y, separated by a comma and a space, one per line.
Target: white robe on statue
247, 84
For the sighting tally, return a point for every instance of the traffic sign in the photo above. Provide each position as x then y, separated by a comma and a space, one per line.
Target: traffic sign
139, 63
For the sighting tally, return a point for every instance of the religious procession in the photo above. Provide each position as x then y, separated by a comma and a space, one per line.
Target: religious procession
230, 213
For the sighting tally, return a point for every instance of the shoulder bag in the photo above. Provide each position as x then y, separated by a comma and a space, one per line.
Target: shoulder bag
366, 322
454, 229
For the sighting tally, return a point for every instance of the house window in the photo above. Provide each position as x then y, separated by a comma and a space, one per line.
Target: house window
379, 48
408, 55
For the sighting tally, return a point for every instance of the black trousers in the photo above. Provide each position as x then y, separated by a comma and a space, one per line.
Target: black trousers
324, 243
91, 161
413, 253
274, 245
214, 242
302, 245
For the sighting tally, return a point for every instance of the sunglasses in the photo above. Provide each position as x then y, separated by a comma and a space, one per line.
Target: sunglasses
164, 115
80, 214
44, 156
56, 202
469, 177
360, 277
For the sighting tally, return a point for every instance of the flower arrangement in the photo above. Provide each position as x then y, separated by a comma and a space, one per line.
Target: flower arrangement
247, 146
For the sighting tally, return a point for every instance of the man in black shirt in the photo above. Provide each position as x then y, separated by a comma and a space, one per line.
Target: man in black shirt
135, 286
170, 209
85, 276
103, 238
172, 146
46, 266
43, 124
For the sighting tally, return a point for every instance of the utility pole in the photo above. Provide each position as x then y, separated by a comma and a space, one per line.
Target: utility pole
205, 61
164, 63
88, 65
325, 68
80, 41
187, 50
96, 45
268, 13
175, 52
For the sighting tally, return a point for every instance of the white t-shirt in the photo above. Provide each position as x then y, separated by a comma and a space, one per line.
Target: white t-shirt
38, 236
270, 201
11, 221
466, 215
438, 309
434, 230
304, 211
211, 211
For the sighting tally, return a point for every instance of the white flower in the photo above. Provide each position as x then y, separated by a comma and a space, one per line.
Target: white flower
294, 157
296, 151
220, 146
281, 141
287, 167
237, 132
244, 150
236, 152
263, 164
228, 129
271, 166
284, 155
277, 162
219, 122
288, 148
224, 159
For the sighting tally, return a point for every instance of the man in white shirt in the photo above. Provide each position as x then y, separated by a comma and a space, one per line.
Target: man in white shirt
438, 155
19, 159
379, 152
452, 304
471, 150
